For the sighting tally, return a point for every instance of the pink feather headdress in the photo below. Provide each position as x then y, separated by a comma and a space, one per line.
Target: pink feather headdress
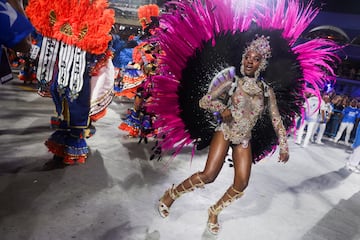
188, 27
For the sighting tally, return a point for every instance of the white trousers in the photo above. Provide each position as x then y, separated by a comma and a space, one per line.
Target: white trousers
354, 158
344, 125
322, 127
309, 132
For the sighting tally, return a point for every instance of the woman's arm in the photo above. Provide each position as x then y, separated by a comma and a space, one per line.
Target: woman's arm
279, 127
211, 100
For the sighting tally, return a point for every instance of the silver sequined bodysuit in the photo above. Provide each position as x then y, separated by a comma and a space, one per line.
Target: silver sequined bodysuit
247, 103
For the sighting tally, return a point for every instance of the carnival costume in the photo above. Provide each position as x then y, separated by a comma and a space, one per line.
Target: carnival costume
138, 121
209, 37
75, 67
122, 56
134, 73
207, 75
148, 18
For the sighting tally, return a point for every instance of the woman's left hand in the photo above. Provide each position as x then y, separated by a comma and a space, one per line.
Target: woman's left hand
226, 115
284, 157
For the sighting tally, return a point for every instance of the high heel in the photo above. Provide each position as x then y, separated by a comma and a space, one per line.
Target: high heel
213, 228
164, 210
230, 195
174, 193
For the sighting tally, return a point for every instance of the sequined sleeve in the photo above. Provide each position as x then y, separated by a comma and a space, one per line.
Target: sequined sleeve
211, 100
277, 122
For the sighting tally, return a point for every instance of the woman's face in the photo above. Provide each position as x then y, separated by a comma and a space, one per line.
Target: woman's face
251, 63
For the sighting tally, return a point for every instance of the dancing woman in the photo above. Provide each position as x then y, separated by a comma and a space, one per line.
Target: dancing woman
238, 119
244, 68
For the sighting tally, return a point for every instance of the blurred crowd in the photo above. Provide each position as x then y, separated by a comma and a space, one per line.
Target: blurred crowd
336, 120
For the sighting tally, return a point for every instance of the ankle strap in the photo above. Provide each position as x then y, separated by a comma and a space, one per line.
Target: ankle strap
174, 193
217, 208
237, 195
200, 184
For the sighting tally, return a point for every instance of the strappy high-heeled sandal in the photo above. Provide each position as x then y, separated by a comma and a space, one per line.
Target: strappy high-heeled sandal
214, 228
174, 194
164, 210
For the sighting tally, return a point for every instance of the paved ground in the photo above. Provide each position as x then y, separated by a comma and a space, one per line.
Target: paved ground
114, 195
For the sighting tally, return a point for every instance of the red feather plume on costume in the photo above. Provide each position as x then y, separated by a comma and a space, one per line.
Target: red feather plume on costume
145, 13
83, 23
39, 14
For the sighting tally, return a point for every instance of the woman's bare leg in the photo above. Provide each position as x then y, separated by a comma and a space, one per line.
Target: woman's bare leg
217, 152
242, 158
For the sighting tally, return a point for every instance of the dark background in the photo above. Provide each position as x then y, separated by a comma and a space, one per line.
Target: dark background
339, 6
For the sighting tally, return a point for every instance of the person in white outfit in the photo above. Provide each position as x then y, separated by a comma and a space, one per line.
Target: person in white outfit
311, 111
353, 162
323, 118
350, 115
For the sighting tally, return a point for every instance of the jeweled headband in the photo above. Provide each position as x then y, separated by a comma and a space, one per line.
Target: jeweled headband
260, 45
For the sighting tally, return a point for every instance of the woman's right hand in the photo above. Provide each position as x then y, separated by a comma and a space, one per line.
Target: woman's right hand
284, 157
226, 116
